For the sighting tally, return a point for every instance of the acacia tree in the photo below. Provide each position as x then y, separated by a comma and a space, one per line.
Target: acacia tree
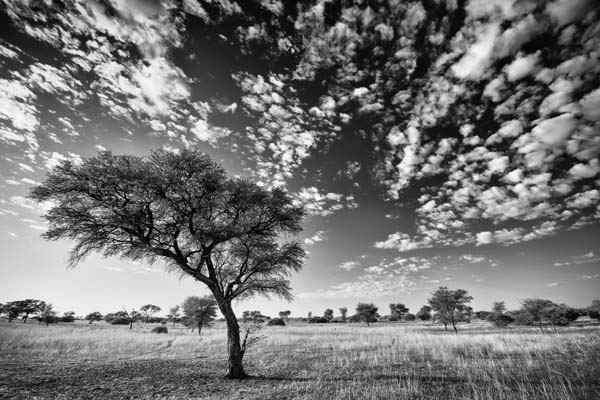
12, 310
199, 311
328, 314
148, 310
94, 316
27, 307
535, 311
182, 209
47, 313
450, 305
174, 314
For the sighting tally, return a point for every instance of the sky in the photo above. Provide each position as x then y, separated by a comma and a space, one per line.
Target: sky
435, 143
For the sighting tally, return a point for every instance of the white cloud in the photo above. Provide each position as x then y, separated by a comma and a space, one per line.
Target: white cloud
522, 66
319, 236
349, 265
473, 65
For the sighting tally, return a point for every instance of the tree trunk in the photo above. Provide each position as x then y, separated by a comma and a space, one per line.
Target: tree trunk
542, 329
173, 322
235, 368
130, 324
446, 326
454, 326
199, 328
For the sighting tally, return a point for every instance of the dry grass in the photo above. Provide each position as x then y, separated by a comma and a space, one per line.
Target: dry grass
299, 361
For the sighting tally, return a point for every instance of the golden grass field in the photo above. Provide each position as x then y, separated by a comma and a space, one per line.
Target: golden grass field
300, 361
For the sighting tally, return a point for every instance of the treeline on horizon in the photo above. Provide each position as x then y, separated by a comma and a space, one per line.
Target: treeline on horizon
446, 306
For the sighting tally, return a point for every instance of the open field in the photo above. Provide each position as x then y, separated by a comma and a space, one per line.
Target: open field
300, 361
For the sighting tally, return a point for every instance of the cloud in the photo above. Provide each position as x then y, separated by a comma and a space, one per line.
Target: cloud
349, 265
319, 236
323, 204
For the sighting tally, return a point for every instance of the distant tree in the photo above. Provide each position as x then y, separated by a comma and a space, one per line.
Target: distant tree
424, 313
534, 311
397, 310
94, 316
317, 320
328, 314
483, 315
560, 314
367, 312
199, 311
343, 314
253, 316
28, 306
68, 316
46, 313
309, 316
594, 310
180, 208
285, 314
409, 317
276, 322
12, 310
128, 316
450, 305
498, 315
148, 310
174, 314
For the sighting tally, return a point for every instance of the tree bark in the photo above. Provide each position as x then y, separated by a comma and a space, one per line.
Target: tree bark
446, 326
234, 348
199, 328
542, 329
130, 324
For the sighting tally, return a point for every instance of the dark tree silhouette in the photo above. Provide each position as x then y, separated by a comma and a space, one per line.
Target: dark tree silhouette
366, 312
424, 313
28, 306
285, 314
182, 209
94, 316
328, 314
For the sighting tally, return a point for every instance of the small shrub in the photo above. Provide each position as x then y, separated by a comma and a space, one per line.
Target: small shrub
160, 329
276, 322
119, 321
317, 320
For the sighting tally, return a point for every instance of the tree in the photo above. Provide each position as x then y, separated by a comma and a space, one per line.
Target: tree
594, 310
450, 305
68, 316
328, 314
182, 209
12, 310
534, 310
424, 313
199, 311
148, 310
309, 316
366, 312
47, 314
174, 314
94, 316
397, 311
344, 313
497, 316
27, 307
285, 314
560, 314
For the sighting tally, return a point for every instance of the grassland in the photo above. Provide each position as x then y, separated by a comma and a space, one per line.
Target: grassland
300, 361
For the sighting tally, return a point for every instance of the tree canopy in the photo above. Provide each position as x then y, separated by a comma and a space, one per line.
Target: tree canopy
182, 209
450, 305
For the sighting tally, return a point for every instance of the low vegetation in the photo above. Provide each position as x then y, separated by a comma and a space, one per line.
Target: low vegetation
412, 360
